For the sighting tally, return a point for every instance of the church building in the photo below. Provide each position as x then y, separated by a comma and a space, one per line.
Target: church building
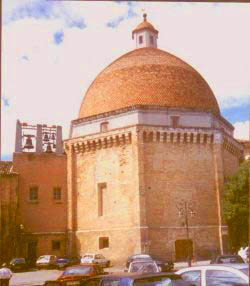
147, 158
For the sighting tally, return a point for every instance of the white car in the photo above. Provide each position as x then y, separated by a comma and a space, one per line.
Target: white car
216, 274
46, 261
95, 258
143, 267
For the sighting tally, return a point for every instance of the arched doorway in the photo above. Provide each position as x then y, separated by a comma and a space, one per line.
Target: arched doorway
183, 249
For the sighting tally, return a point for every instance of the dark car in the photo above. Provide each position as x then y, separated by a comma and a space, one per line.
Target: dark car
74, 274
165, 266
127, 279
65, 261
225, 259
18, 265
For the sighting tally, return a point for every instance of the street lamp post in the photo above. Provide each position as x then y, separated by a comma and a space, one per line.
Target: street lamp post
184, 210
21, 231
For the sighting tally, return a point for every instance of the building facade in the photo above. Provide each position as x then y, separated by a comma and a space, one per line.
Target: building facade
143, 168
40, 162
147, 159
9, 191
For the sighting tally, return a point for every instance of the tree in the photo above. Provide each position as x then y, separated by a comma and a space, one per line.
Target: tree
236, 206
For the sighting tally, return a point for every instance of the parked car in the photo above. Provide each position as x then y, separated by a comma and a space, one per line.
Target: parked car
143, 267
65, 261
165, 266
225, 259
74, 274
47, 261
216, 274
145, 279
75, 260
95, 258
18, 265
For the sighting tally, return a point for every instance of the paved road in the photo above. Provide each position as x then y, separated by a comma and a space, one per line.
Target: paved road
34, 277
38, 277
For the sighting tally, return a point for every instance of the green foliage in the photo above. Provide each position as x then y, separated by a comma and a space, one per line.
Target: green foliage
236, 206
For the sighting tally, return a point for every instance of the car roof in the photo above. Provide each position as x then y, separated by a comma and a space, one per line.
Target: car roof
228, 265
142, 261
227, 255
235, 265
83, 265
135, 275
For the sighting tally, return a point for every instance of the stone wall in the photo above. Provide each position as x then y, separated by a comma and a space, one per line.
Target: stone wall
113, 168
146, 172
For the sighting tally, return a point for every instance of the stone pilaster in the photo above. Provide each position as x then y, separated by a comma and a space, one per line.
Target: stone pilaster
39, 139
138, 148
59, 142
71, 201
219, 183
18, 146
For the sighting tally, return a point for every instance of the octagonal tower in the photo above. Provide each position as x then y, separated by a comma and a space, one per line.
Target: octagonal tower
149, 139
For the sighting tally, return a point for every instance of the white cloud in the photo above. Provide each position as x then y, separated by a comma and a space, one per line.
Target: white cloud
45, 83
242, 130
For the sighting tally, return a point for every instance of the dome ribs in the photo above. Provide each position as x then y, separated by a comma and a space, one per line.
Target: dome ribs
148, 76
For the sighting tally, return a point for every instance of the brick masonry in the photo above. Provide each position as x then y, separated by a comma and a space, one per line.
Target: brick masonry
44, 219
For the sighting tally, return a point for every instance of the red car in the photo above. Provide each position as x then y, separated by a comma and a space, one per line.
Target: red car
74, 274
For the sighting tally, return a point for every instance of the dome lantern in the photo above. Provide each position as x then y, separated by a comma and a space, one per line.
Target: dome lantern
145, 34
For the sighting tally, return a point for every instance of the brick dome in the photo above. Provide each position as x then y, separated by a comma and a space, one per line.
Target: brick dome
149, 77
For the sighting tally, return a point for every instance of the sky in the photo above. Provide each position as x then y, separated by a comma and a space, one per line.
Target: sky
53, 50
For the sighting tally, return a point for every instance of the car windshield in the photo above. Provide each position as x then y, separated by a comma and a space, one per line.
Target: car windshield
78, 271
19, 260
159, 281
44, 258
88, 256
230, 259
245, 270
62, 259
143, 267
140, 258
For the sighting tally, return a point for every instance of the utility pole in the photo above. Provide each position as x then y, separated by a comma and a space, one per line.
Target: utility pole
184, 210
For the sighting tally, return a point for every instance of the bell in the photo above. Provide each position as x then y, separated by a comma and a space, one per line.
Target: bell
46, 137
48, 149
28, 144
53, 136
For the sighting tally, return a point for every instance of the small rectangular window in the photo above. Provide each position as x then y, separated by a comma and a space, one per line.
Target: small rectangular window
140, 39
151, 40
56, 244
101, 189
175, 121
103, 242
57, 194
104, 126
33, 194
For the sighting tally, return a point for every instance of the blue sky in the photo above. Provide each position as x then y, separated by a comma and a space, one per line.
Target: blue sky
53, 50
